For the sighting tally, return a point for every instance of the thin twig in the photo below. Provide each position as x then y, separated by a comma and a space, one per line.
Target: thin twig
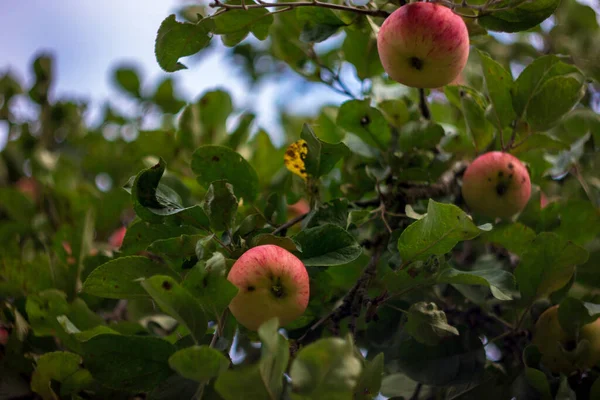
374, 13
289, 224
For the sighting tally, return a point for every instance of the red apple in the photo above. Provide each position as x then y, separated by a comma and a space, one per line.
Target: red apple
423, 45
298, 208
272, 282
3, 336
29, 187
116, 238
496, 185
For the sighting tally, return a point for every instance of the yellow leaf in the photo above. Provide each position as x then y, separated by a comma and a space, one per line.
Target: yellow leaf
294, 158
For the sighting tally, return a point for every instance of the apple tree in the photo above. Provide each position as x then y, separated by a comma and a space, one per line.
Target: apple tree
437, 238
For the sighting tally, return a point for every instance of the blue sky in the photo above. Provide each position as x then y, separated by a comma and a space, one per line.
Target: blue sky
89, 37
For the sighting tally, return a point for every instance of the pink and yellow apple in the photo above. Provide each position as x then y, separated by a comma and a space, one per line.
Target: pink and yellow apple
272, 282
559, 350
116, 238
423, 45
496, 185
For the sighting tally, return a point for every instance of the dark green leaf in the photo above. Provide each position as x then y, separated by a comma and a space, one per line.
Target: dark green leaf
514, 237
370, 379
175, 40
500, 282
360, 50
437, 233
212, 163
325, 369
176, 301
327, 245
141, 234
132, 363
319, 23
128, 80
527, 15
62, 367
419, 135
322, 156
200, 363
209, 285
547, 265
366, 122
498, 82
427, 324
220, 205
120, 278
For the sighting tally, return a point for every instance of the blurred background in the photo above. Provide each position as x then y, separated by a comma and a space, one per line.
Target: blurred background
90, 39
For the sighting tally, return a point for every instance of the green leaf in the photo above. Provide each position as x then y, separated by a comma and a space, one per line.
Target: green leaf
498, 82
478, 126
457, 359
62, 367
419, 135
212, 163
220, 205
325, 369
333, 212
43, 308
281, 241
236, 24
525, 16
319, 23
119, 278
176, 248
243, 383
207, 281
554, 98
366, 122
574, 313
200, 363
395, 111
427, 324
540, 141
538, 380
530, 87
128, 80
274, 357
370, 379
548, 265
500, 282
327, 245
360, 50
176, 301
514, 237
322, 156
132, 363
437, 233
263, 380
141, 234
176, 39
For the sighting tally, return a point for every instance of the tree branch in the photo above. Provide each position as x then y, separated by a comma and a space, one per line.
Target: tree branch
291, 5
289, 224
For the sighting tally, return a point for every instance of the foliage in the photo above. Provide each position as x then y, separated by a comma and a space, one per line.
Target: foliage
411, 297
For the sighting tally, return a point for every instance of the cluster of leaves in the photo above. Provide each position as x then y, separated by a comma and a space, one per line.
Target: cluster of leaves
410, 296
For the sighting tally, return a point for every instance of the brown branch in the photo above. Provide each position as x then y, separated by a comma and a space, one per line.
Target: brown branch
291, 5
289, 224
444, 186
356, 297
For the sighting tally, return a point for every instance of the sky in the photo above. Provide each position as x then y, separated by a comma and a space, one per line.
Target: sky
89, 38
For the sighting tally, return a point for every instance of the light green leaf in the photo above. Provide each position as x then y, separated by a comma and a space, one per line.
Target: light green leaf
366, 122
427, 324
200, 363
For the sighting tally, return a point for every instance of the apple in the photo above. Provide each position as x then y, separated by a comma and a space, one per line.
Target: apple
116, 238
272, 282
562, 352
496, 185
423, 45
300, 207
4, 336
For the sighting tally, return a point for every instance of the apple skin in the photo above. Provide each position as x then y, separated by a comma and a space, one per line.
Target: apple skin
116, 238
423, 45
496, 185
549, 337
272, 282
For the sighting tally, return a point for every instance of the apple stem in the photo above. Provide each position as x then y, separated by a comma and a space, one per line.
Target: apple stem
423, 105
